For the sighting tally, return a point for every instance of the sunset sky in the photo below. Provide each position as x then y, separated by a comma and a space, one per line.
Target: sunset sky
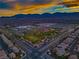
13, 7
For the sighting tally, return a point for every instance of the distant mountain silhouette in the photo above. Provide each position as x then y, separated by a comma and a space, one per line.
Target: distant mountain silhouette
22, 19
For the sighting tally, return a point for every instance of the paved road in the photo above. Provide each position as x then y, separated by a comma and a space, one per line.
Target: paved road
54, 42
40, 53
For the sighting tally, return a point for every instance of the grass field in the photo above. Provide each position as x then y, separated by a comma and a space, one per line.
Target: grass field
37, 36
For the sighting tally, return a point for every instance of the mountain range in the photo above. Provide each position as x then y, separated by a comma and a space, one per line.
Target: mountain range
23, 19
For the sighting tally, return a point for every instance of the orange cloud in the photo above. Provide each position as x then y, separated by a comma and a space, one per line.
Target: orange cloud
18, 8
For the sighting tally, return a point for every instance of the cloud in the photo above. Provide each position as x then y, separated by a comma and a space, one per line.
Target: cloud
13, 7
